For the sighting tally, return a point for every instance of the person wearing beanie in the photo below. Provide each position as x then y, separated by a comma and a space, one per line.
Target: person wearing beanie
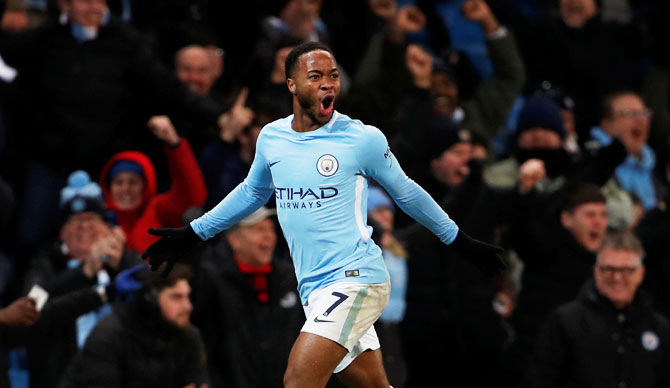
129, 186
446, 149
540, 134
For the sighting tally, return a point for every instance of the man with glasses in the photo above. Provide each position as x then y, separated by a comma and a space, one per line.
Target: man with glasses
626, 117
609, 336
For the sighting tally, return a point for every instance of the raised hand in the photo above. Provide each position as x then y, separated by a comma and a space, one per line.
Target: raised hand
239, 116
385, 9
478, 11
531, 171
410, 18
162, 128
420, 65
484, 256
173, 245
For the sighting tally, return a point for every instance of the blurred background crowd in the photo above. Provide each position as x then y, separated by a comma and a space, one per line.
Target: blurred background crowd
542, 126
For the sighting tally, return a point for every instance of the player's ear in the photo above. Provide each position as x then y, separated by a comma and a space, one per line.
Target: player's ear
291, 86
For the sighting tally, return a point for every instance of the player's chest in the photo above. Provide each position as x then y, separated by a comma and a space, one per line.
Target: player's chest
316, 164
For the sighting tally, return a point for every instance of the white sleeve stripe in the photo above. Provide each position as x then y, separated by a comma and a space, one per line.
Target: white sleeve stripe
360, 185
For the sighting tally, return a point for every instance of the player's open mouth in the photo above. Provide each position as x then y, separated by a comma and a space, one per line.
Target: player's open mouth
327, 104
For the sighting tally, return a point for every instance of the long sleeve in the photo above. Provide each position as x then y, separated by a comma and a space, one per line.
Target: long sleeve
247, 197
377, 162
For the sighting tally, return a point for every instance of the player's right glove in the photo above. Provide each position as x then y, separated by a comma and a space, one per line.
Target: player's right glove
484, 256
174, 244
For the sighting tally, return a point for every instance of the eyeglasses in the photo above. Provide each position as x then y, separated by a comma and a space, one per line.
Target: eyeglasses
609, 270
633, 114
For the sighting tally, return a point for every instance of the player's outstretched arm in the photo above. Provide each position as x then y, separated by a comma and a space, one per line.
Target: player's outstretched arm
173, 245
379, 163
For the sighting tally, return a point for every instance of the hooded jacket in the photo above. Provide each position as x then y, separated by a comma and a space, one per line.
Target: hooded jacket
157, 210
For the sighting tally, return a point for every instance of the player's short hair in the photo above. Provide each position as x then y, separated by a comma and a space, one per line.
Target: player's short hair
623, 241
303, 48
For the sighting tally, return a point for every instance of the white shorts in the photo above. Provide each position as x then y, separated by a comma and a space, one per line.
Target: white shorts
345, 313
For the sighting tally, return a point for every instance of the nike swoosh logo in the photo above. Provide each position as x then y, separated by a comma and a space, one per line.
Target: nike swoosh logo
317, 320
273, 163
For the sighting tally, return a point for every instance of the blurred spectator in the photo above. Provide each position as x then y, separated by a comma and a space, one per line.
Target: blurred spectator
449, 302
94, 82
225, 163
247, 306
558, 252
448, 150
610, 335
198, 67
540, 134
380, 213
271, 84
128, 182
89, 253
298, 19
577, 50
22, 324
148, 341
427, 87
626, 117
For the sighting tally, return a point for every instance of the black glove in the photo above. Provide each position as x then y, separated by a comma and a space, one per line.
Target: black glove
174, 243
484, 256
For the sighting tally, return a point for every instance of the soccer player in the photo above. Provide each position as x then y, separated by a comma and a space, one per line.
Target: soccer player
317, 162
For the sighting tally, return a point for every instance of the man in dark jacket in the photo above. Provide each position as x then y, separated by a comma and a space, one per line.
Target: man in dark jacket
609, 336
146, 342
247, 306
558, 258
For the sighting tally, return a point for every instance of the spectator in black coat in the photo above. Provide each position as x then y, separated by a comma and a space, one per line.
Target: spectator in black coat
247, 305
558, 255
146, 342
610, 336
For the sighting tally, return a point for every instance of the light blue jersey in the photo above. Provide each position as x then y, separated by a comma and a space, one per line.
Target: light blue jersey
320, 182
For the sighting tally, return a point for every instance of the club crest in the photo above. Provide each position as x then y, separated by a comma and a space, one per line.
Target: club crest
650, 340
327, 165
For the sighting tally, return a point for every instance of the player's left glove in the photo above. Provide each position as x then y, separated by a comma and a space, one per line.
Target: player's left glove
484, 256
173, 245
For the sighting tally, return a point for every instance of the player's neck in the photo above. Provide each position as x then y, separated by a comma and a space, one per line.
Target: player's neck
305, 122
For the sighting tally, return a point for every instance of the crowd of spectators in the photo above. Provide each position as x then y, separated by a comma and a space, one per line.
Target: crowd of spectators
539, 126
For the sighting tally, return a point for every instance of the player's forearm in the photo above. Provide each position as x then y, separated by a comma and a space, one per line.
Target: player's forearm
241, 202
416, 202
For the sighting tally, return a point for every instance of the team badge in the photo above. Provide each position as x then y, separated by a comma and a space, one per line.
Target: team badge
327, 165
650, 340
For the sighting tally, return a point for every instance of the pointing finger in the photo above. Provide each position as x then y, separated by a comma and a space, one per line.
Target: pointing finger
242, 97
